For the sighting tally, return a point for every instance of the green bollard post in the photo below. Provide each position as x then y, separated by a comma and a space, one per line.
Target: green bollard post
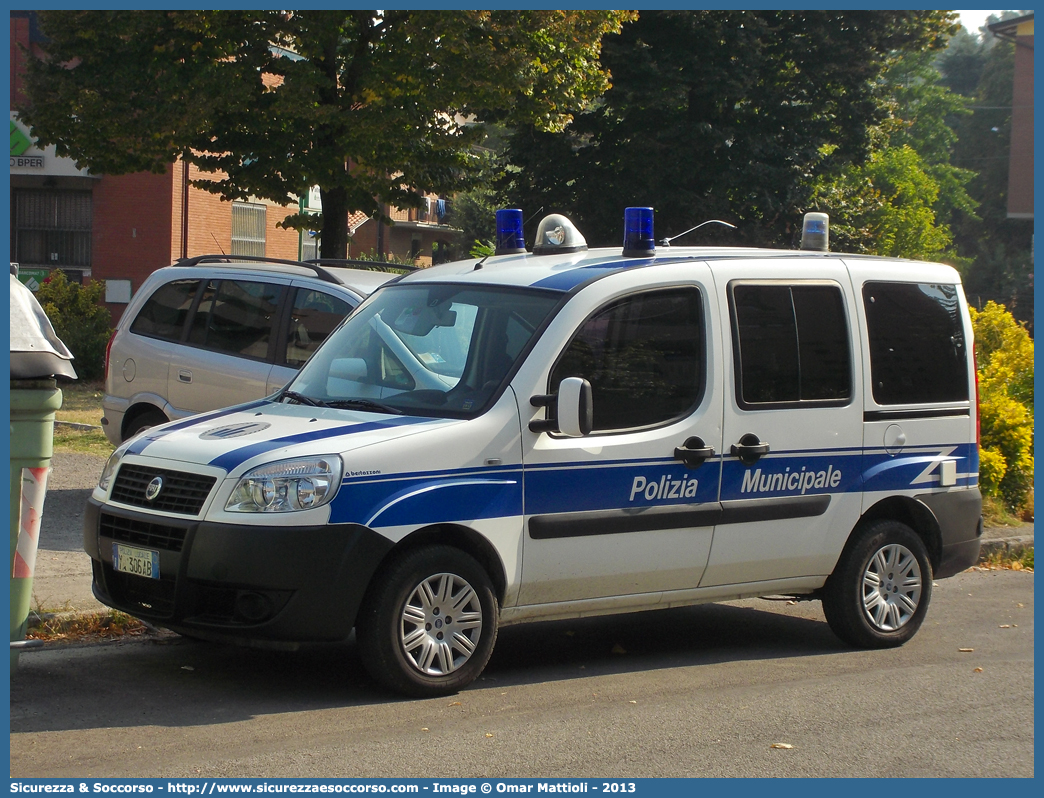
33, 404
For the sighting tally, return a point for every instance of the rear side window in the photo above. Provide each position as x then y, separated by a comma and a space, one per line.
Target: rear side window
643, 356
918, 353
236, 316
165, 312
791, 345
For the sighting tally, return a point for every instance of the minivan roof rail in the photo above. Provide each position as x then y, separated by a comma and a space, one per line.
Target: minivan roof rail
368, 265
231, 260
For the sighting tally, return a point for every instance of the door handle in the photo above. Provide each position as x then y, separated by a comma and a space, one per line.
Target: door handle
693, 452
750, 449
185, 376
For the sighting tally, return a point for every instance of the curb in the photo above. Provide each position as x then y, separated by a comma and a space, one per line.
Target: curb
75, 425
1015, 545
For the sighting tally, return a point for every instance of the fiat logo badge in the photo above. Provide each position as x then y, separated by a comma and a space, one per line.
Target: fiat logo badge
153, 489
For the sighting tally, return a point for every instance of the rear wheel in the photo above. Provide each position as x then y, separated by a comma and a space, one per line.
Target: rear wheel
879, 592
429, 622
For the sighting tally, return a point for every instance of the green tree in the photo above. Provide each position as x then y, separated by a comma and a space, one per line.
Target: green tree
903, 201
885, 207
998, 249
269, 103
721, 114
79, 319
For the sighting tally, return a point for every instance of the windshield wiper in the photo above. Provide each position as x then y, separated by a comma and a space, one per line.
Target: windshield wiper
302, 399
364, 404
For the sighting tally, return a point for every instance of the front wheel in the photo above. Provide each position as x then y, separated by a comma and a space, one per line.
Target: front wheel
428, 623
878, 595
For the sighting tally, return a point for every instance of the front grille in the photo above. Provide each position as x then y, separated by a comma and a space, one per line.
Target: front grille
181, 493
142, 533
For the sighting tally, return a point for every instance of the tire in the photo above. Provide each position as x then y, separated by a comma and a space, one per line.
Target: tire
142, 421
879, 592
412, 639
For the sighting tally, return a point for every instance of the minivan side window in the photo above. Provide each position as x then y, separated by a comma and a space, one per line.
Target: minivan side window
236, 317
917, 349
164, 314
313, 316
791, 345
643, 356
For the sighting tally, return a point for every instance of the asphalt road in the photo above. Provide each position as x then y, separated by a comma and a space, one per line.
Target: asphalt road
700, 691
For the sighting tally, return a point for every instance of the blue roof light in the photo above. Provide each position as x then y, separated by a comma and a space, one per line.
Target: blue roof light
510, 240
638, 233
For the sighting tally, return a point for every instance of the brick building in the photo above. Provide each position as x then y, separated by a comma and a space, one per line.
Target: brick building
1020, 167
119, 229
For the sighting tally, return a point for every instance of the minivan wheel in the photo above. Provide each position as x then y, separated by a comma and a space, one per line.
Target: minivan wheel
879, 592
142, 421
428, 623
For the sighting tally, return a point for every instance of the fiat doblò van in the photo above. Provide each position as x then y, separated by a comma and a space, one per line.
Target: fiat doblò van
603, 431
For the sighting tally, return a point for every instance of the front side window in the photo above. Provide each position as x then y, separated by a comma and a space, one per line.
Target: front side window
429, 349
643, 356
164, 314
918, 353
236, 317
791, 344
313, 316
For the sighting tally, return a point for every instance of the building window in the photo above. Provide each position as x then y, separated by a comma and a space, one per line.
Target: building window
248, 229
51, 228
310, 246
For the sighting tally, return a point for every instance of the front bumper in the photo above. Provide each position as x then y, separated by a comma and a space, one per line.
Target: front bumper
236, 581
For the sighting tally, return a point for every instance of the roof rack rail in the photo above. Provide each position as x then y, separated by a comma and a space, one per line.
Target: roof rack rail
368, 265
319, 272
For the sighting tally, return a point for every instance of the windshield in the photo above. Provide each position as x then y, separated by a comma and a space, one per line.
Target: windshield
432, 349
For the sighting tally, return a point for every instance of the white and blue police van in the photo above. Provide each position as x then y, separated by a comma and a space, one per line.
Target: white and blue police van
595, 431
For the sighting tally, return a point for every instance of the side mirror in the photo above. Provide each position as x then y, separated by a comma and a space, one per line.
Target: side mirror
349, 368
575, 407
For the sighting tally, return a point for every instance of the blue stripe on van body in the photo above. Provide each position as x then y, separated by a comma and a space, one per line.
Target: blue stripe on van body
429, 498
571, 278
455, 495
144, 440
236, 457
578, 487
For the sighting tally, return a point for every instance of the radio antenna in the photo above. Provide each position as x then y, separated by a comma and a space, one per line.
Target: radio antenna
667, 241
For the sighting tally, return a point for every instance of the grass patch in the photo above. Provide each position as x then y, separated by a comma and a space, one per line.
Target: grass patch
1008, 561
110, 625
995, 513
81, 404
81, 441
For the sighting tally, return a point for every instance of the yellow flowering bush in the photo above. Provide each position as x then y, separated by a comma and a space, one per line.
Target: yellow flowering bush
1004, 352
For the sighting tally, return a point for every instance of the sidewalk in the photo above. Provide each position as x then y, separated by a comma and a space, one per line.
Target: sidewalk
62, 582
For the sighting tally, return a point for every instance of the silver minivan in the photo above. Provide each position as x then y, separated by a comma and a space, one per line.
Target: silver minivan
216, 330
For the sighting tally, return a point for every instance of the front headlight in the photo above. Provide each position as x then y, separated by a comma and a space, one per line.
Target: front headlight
287, 486
111, 465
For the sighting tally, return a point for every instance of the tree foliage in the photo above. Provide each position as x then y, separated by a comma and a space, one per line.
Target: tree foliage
79, 319
997, 250
1004, 352
721, 114
269, 103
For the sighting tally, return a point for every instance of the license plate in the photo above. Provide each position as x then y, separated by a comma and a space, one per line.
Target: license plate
140, 562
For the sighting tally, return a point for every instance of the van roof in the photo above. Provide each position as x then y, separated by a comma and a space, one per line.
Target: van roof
563, 272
